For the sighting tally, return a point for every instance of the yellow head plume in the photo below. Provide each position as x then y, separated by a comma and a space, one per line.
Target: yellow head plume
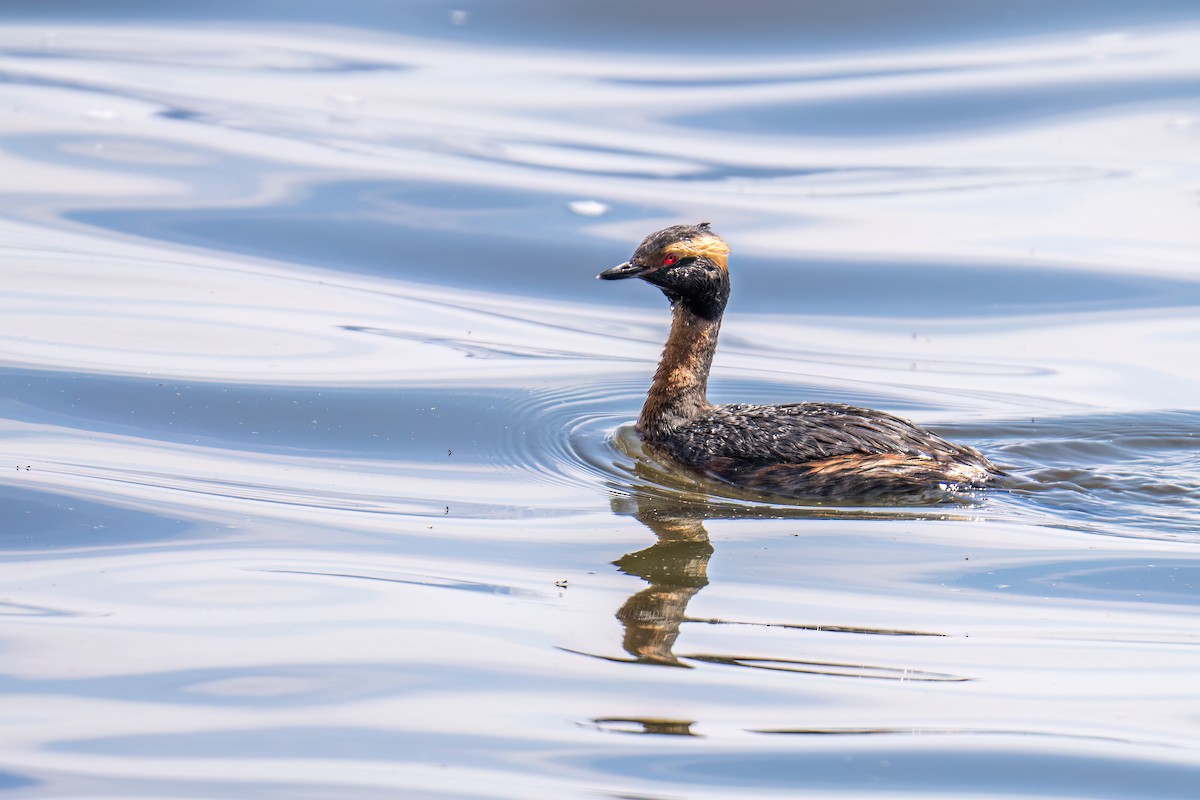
708, 246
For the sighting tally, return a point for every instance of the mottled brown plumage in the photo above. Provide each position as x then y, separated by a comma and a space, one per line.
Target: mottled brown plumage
818, 451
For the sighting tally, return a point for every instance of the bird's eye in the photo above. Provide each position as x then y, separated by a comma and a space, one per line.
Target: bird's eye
669, 260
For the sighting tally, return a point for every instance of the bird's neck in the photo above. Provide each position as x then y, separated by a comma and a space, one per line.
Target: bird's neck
679, 392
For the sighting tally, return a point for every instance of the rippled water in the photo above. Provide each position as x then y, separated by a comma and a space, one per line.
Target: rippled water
318, 479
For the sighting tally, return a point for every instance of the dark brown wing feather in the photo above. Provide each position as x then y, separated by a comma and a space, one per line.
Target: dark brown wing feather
823, 450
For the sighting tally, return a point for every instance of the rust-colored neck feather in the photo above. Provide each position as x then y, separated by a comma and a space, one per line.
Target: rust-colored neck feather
679, 392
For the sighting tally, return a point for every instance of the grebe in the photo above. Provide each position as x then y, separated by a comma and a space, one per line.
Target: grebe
819, 451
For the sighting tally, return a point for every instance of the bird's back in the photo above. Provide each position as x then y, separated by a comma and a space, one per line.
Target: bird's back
826, 451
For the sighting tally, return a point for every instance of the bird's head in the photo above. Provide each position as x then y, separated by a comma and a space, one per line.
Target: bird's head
687, 262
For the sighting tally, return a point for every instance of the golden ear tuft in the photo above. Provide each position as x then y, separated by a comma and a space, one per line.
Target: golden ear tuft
711, 247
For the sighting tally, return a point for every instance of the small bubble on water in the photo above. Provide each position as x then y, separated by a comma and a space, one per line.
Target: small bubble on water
587, 208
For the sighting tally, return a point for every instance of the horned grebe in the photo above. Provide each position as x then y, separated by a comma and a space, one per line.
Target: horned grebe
819, 451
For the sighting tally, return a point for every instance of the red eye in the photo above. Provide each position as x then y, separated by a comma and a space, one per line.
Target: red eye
669, 260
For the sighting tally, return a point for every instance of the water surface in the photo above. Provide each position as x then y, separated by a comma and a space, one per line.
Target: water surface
317, 473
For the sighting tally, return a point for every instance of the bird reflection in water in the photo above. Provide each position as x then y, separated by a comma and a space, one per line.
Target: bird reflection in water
676, 569
675, 566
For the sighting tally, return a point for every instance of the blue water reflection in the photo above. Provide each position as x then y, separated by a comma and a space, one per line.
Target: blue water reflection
459, 237
41, 521
944, 113
958, 770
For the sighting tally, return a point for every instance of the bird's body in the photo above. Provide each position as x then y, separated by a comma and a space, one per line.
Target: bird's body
826, 451
819, 451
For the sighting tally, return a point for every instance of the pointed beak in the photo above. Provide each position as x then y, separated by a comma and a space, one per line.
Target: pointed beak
626, 270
